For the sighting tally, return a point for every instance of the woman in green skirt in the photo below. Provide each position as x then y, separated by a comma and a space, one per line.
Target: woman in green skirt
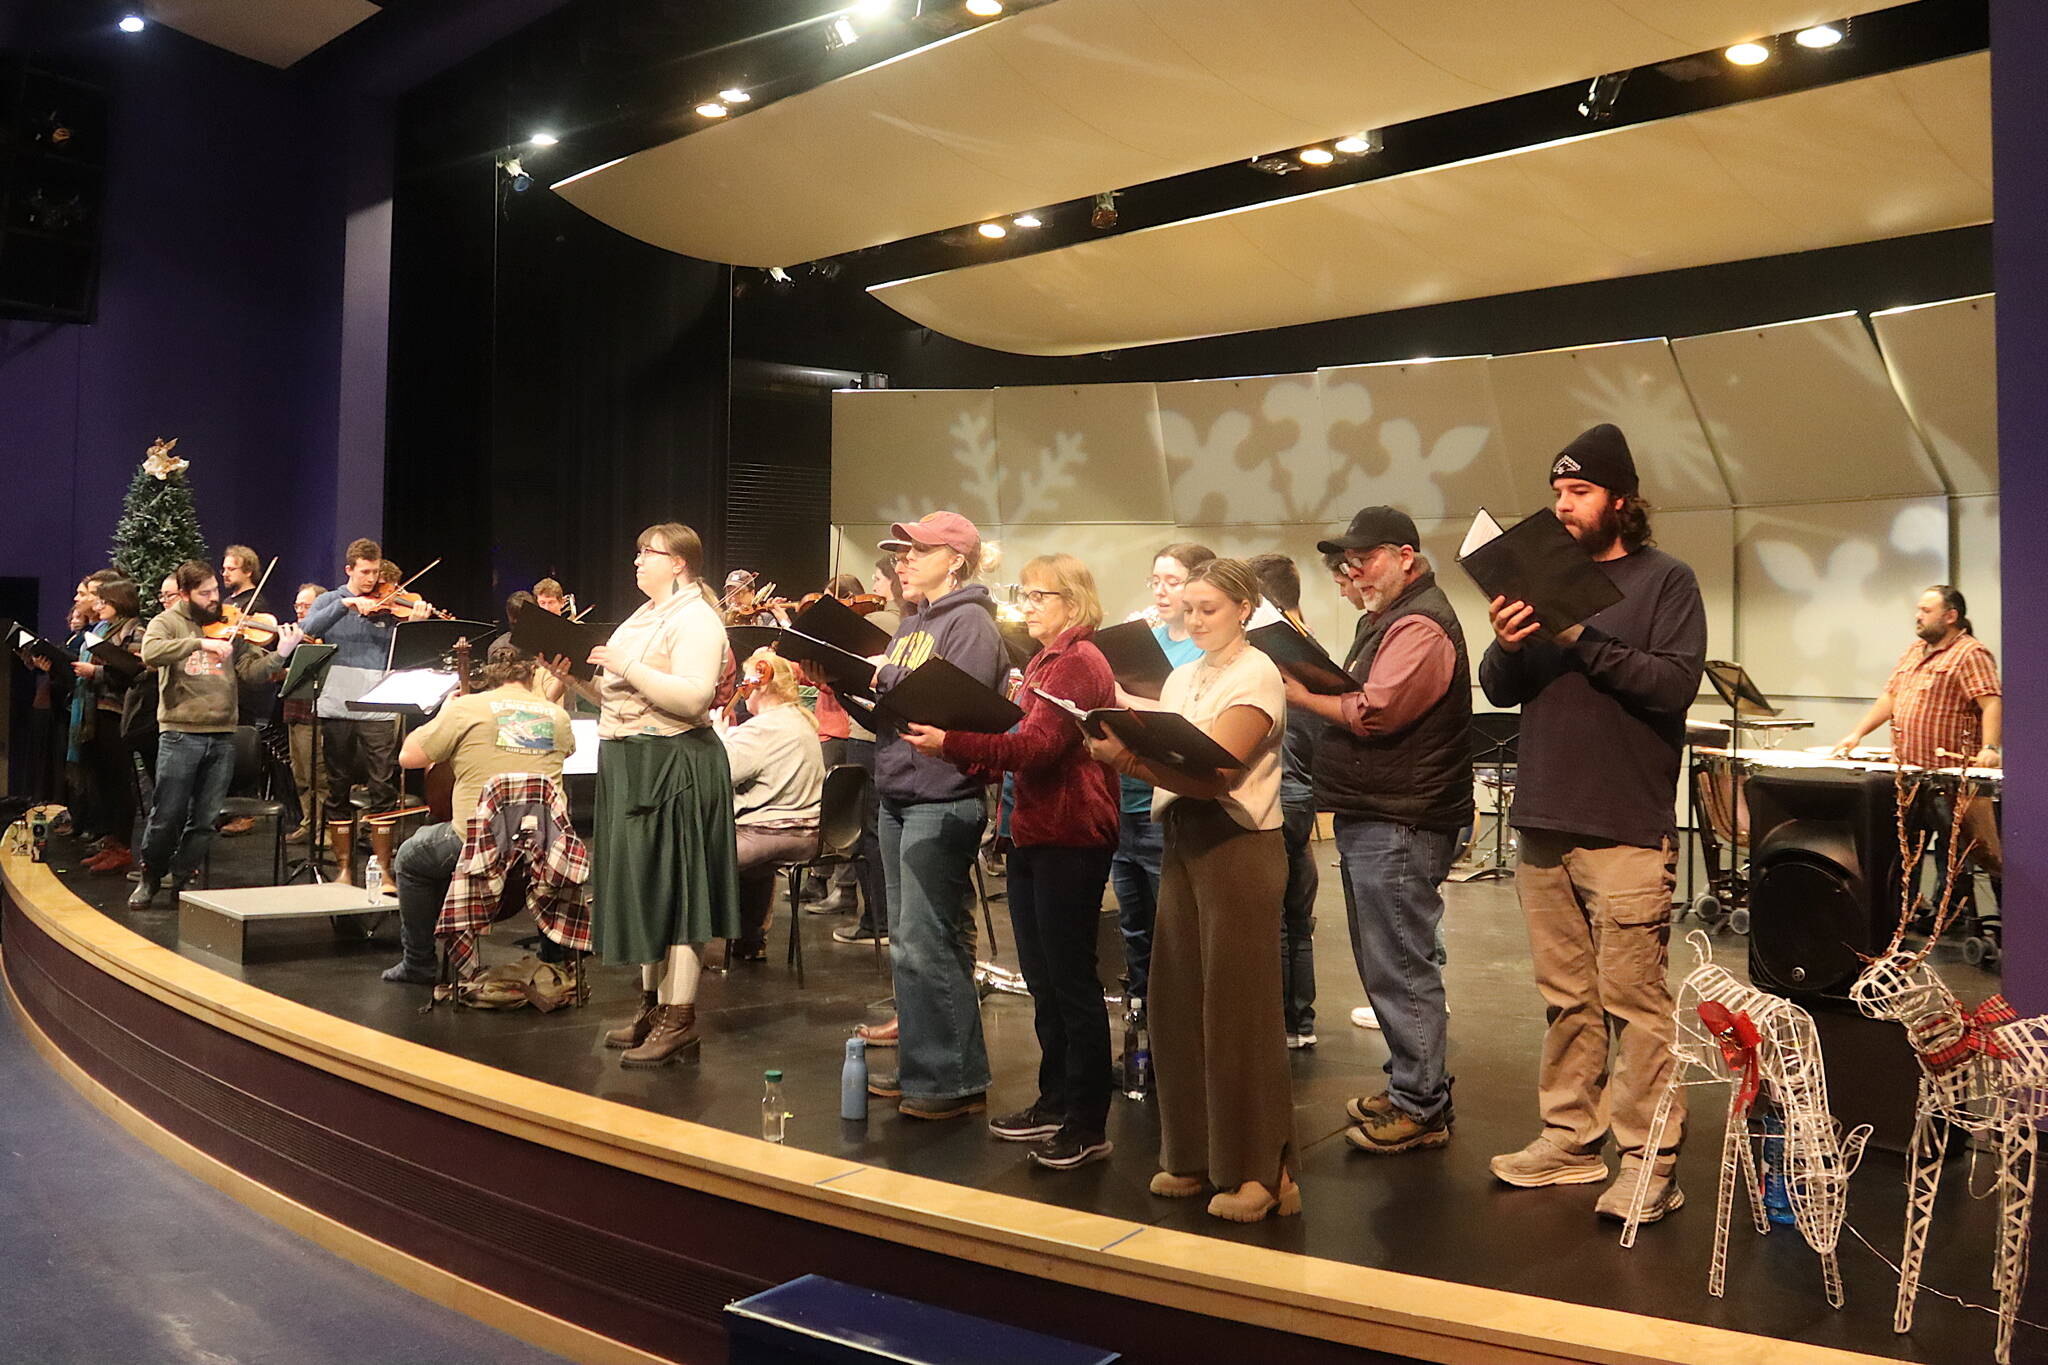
664, 873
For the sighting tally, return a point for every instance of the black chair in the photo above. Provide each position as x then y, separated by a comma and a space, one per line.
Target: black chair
839, 830
252, 776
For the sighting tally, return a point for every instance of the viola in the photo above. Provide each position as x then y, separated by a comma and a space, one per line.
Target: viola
235, 623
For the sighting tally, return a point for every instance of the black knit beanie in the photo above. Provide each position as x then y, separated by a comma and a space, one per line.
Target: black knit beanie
1598, 455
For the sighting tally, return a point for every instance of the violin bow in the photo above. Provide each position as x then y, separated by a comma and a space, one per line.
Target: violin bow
241, 626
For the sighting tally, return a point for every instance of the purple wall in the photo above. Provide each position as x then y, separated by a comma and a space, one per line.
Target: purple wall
2019, 92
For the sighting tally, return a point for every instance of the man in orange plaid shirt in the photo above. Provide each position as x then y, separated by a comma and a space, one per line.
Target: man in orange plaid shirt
1943, 698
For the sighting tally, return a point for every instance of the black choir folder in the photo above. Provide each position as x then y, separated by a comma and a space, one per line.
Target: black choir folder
1166, 739
118, 661
544, 634
1536, 561
1137, 662
939, 694
1302, 659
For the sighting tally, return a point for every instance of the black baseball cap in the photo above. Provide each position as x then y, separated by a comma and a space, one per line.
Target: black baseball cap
1374, 526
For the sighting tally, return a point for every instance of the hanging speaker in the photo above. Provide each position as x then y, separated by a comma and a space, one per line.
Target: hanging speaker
1823, 878
53, 132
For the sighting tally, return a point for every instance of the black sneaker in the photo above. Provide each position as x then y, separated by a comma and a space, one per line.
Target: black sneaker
1070, 1147
1026, 1125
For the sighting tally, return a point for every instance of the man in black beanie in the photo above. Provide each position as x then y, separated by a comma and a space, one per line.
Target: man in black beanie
1603, 722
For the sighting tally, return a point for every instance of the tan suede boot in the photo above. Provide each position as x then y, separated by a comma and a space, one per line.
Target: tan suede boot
674, 1035
341, 838
634, 1032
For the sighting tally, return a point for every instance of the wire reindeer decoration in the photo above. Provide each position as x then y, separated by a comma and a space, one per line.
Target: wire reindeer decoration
1758, 1045
1981, 1070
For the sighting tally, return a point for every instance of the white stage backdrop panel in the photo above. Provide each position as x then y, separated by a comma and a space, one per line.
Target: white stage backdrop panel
1976, 568
1120, 557
1420, 435
1545, 398
1804, 412
1828, 590
1942, 360
1086, 452
1247, 451
853, 551
1329, 616
899, 453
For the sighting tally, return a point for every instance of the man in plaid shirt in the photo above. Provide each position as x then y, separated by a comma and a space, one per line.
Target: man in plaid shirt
1942, 699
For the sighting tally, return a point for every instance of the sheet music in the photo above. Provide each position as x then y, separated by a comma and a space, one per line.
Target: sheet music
1483, 529
423, 688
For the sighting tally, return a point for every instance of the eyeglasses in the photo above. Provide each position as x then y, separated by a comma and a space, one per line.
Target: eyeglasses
1166, 581
1036, 597
648, 551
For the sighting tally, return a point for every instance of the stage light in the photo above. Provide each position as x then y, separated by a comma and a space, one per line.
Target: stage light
985, 9
778, 276
1028, 220
1601, 94
1819, 36
734, 96
133, 23
841, 34
873, 9
1748, 54
993, 230
516, 173
1103, 216
712, 109
1315, 156
542, 139
1358, 144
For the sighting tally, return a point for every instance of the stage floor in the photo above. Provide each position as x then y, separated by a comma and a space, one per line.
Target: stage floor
1437, 1214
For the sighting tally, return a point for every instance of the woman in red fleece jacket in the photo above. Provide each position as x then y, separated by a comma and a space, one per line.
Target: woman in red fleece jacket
1064, 828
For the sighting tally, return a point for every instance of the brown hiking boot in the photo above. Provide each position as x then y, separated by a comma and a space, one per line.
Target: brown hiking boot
634, 1032
674, 1035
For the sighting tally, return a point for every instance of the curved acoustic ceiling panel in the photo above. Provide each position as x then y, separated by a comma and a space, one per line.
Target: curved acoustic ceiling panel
1089, 95
1885, 156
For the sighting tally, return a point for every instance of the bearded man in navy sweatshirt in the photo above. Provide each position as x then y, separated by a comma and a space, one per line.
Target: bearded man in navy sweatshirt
1603, 722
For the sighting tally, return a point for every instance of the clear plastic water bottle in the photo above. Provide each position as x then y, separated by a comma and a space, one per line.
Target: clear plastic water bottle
773, 1114
1777, 1193
853, 1082
373, 876
1137, 1058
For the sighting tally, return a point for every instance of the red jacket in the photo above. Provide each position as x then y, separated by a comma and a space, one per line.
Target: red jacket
1065, 799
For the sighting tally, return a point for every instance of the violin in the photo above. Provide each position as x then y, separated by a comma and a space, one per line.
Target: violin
394, 600
760, 673
235, 623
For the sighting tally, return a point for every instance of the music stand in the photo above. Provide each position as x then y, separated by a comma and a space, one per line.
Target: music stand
1748, 709
1495, 736
429, 643
306, 674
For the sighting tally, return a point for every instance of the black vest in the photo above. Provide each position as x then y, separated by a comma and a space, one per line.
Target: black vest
1423, 775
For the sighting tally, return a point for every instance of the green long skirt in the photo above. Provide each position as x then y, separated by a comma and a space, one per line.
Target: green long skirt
663, 866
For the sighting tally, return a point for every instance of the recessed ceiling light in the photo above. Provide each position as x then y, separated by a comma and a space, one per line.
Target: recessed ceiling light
986, 9
734, 96
1028, 220
993, 230
1315, 156
1748, 54
543, 139
133, 23
1820, 35
712, 109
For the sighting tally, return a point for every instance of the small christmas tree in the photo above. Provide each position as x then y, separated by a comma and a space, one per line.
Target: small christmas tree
159, 526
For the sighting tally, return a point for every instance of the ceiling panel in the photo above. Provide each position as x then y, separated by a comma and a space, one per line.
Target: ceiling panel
275, 32
1943, 361
1827, 167
1071, 99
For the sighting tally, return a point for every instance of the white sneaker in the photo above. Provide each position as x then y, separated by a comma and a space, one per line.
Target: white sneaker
1297, 1041
1364, 1017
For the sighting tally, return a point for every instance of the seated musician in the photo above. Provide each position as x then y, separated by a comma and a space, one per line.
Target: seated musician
549, 595
508, 727
778, 779
1946, 710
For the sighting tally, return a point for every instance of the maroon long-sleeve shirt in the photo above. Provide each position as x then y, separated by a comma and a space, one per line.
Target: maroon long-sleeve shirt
1064, 799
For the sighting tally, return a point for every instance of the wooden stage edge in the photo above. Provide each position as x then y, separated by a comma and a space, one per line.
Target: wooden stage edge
318, 1124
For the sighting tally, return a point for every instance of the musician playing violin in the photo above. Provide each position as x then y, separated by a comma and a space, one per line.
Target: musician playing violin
361, 747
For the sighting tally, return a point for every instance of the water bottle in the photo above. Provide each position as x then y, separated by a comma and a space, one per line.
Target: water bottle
773, 1115
1137, 1053
853, 1082
373, 876
1777, 1193
38, 835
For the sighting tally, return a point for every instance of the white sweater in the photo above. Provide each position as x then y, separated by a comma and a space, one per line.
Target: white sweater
778, 767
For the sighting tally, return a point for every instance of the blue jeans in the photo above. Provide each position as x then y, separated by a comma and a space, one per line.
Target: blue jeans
1391, 876
192, 776
928, 848
1134, 876
423, 866
1298, 920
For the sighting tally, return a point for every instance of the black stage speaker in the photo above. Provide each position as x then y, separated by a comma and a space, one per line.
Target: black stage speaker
1824, 865
53, 136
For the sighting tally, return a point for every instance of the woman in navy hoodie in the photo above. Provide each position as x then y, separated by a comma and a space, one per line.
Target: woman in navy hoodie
931, 822
1065, 832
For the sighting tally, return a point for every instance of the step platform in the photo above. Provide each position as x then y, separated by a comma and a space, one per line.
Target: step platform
820, 1321
217, 922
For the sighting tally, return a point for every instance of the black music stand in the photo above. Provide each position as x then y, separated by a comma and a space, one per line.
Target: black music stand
1746, 705
305, 676
1495, 736
430, 643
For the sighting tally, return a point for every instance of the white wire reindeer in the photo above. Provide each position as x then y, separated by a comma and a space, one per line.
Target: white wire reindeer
1981, 1070
1735, 1035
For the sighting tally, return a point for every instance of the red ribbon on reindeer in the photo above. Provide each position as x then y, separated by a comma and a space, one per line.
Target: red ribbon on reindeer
1940, 1056
1736, 1032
